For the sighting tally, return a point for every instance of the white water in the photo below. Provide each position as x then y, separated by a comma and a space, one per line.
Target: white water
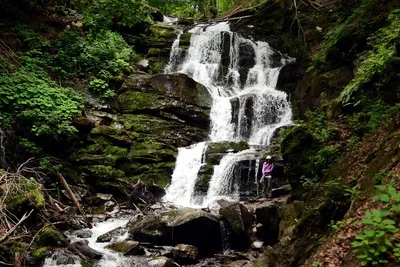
184, 177
110, 258
260, 110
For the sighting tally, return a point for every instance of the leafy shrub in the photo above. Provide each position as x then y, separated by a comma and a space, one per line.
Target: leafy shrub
29, 38
106, 55
71, 46
376, 244
38, 102
373, 64
99, 15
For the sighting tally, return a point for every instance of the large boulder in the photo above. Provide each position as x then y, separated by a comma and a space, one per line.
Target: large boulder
240, 222
172, 93
182, 226
267, 218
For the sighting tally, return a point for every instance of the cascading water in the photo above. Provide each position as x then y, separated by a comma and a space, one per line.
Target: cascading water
184, 177
241, 76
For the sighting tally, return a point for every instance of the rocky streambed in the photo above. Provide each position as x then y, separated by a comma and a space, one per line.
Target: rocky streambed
165, 235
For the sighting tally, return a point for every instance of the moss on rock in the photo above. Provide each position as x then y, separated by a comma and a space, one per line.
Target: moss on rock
27, 196
103, 172
40, 253
51, 236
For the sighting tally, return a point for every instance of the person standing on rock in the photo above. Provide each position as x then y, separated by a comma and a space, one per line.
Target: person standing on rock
266, 178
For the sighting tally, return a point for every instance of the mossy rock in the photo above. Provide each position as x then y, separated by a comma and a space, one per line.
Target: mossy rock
28, 196
160, 178
289, 214
202, 183
131, 101
185, 39
103, 172
165, 32
96, 160
224, 147
297, 143
118, 136
51, 236
10, 247
214, 158
206, 169
40, 253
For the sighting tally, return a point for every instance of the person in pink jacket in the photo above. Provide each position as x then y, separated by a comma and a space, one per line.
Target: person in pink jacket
267, 168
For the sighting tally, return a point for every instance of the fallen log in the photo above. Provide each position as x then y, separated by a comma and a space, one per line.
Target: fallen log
72, 195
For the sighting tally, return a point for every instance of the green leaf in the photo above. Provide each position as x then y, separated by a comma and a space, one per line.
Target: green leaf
382, 197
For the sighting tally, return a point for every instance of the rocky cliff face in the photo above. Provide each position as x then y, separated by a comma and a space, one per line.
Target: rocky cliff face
154, 116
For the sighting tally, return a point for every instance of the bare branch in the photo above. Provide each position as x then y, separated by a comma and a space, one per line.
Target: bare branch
24, 217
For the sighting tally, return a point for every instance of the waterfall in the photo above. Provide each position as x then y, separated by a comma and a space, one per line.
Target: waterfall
241, 76
188, 164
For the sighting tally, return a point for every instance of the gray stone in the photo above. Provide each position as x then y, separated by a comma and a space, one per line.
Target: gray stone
84, 233
182, 226
240, 223
107, 237
185, 254
127, 247
161, 262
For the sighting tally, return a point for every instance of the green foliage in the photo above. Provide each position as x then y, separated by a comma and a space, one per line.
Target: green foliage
373, 113
323, 159
374, 62
104, 14
376, 244
38, 102
335, 225
29, 38
106, 55
321, 128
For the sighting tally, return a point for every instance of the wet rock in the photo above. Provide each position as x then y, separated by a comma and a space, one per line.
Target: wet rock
157, 191
182, 226
64, 258
127, 247
224, 147
268, 222
280, 191
141, 195
186, 21
240, 221
82, 248
84, 233
185, 254
247, 55
161, 262
107, 237
103, 198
